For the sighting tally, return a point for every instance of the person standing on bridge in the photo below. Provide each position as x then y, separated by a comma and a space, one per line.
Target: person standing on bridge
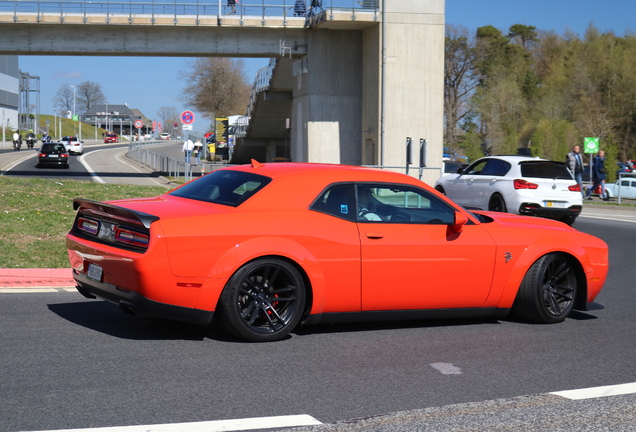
232, 5
188, 146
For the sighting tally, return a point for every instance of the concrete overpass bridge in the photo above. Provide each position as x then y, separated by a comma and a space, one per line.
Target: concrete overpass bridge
355, 77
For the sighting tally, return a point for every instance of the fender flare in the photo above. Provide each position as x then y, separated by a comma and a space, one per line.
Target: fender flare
271, 246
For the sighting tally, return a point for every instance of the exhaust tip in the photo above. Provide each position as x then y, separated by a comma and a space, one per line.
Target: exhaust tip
128, 308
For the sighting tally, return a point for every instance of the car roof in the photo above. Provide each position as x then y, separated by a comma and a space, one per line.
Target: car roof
514, 158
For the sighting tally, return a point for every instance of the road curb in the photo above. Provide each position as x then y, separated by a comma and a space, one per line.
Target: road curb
36, 278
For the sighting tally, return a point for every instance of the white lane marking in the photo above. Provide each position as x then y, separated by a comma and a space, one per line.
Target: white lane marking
211, 426
597, 392
10, 166
609, 218
136, 168
96, 178
447, 368
27, 290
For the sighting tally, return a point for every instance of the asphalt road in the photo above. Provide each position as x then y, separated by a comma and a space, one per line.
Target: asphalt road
68, 362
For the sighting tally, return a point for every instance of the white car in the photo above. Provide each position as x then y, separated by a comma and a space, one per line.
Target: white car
626, 187
516, 184
164, 136
73, 145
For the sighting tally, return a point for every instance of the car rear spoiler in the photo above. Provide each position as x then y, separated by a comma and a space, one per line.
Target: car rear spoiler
116, 212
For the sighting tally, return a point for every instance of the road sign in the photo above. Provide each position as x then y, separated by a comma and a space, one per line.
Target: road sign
590, 145
139, 123
186, 127
187, 117
76, 117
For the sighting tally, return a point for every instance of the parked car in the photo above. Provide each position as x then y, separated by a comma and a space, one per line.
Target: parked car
53, 154
164, 136
311, 243
626, 186
111, 138
516, 184
449, 155
73, 145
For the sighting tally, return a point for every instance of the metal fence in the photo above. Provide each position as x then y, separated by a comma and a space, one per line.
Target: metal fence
159, 163
176, 8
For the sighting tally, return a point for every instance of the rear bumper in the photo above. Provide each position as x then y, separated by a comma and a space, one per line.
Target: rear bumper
134, 303
534, 209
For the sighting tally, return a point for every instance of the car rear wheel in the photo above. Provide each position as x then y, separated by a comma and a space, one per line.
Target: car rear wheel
547, 292
497, 204
263, 301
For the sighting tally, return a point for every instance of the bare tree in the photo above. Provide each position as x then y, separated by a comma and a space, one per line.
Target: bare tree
88, 95
216, 86
459, 80
63, 99
168, 116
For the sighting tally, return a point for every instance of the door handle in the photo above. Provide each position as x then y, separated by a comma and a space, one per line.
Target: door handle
374, 236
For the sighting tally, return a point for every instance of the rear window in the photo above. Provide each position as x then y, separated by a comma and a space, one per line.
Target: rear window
230, 188
546, 170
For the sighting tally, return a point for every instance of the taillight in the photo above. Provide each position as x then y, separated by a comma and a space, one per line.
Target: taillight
575, 188
88, 225
523, 184
64, 155
131, 238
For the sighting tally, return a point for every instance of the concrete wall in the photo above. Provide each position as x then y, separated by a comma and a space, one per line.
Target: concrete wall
337, 102
9, 91
327, 99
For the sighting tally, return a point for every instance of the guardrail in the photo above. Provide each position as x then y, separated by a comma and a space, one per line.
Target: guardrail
176, 8
158, 162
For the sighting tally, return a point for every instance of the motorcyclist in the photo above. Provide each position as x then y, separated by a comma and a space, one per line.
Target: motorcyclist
17, 140
30, 139
46, 138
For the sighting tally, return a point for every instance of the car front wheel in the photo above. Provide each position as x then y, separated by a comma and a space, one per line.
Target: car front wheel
547, 292
263, 301
440, 189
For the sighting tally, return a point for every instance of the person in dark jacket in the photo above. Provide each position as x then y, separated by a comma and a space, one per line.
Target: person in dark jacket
598, 175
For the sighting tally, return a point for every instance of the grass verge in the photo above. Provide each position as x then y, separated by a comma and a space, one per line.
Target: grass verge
36, 214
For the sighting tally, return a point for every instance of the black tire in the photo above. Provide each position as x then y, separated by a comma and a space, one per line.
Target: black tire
497, 204
569, 219
263, 301
440, 189
548, 290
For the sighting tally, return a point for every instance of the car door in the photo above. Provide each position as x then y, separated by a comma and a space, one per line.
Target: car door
411, 259
460, 188
485, 183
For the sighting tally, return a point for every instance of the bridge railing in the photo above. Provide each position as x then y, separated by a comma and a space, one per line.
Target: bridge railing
176, 8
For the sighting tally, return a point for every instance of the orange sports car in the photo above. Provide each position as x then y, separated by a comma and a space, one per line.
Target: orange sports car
262, 248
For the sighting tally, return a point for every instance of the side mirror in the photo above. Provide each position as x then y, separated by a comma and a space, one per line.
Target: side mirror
460, 220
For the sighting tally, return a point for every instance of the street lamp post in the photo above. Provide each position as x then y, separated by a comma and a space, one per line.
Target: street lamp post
73, 114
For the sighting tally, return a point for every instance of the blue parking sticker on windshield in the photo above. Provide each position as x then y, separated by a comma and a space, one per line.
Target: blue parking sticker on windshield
344, 209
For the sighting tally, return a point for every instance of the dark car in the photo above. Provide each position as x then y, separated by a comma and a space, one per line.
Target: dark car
53, 154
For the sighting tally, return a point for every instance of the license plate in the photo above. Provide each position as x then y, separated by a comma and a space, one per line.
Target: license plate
94, 272
53, 156
559, 204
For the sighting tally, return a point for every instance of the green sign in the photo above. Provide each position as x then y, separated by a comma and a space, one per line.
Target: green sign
76, 118
590, 145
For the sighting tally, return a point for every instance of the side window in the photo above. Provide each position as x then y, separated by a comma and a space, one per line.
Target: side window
496, 167
338, 200
477, 168
400, 204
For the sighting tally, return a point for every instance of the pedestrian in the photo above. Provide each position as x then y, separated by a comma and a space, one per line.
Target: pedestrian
232, 5
300, 8
188, 146
574, 162
198, 148
598, 175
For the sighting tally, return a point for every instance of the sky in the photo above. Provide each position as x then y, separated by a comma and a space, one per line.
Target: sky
148, 83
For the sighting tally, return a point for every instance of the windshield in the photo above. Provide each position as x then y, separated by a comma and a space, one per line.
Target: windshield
225, 187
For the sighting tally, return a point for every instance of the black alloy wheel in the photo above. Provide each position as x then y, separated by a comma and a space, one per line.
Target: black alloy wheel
497, 204
263, 301
548, 290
